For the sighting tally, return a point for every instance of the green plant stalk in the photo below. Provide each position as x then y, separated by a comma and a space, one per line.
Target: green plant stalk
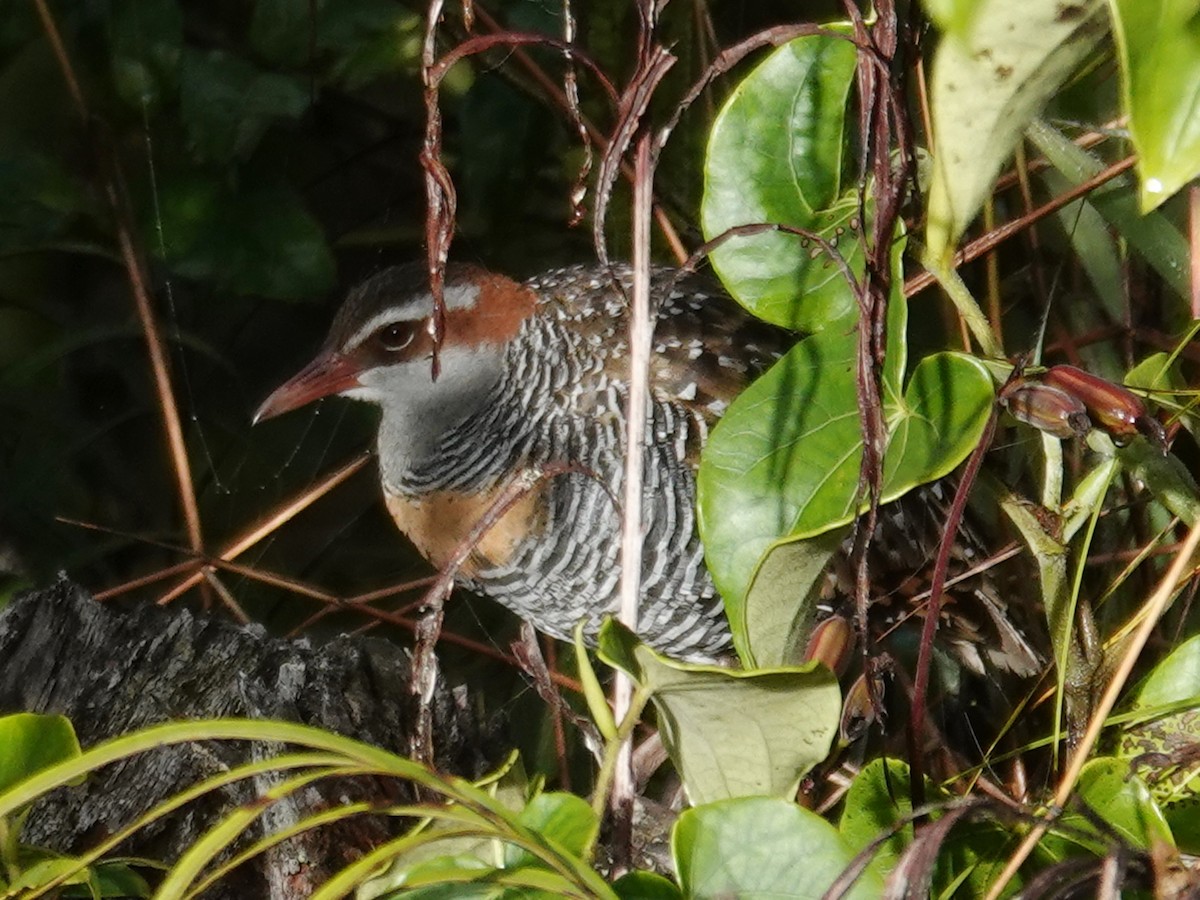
612, 751
1088, 494
534, 879
953, 285
9, 834
1130, 567
203, 850
351, 751
493, 820
1052, 478
597, 703
1180, 345
1171, 583
326, 817
184, 797
561, 863
571, 868
358, 872
1070, 652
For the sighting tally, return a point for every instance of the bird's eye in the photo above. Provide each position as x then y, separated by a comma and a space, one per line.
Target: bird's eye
396, 336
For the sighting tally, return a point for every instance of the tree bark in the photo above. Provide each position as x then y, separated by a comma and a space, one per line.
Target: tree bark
112, 672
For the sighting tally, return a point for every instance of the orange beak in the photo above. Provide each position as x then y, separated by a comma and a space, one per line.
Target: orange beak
330, 373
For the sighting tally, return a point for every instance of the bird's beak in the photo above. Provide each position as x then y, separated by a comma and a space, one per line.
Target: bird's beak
330, 373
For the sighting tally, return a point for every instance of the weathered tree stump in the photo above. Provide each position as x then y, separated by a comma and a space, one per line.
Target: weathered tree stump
113, 672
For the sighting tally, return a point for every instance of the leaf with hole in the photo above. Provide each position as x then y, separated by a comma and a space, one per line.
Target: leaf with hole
783, 464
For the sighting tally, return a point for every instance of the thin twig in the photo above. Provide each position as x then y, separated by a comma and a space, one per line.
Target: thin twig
595, 137
933, 611
990, 241
117, 196
640, 334
635, 103
266, 527
440, 197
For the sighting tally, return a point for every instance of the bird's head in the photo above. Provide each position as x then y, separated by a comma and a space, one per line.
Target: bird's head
380, 347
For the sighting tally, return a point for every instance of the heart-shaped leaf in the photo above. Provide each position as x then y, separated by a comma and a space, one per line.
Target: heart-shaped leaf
706, 713
774, 156
783, 464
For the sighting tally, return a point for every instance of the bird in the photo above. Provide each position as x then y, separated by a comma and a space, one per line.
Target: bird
535, 374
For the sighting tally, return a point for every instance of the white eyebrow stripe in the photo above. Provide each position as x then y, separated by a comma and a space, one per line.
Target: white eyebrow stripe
459, 296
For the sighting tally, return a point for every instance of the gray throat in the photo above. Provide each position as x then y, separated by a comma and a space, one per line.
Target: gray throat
441, 447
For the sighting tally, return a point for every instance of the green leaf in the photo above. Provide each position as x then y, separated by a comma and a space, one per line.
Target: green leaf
226, 104
877, 800
1168, 479
733, 733
646, 886
774, 156
1051, 556
781, 606
783, 463
285, 32
1153, 235
1174, 684
40, 198
940, 421
949, 15
1175, 679
972, 854
593, 692
1159, 46
992, 73
566, 819
1094, 244
1122, 800
1158, 372
762, 848
146, 37
31, 743
260, 240
118, 879
50, 869
351, 40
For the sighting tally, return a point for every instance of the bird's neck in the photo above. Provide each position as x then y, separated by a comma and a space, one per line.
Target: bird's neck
523, 417
452, 447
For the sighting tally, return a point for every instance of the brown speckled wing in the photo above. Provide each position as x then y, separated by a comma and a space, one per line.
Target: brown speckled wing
706, 349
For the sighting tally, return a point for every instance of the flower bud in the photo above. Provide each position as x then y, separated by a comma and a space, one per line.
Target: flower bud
1047, 408
1117, 410
832, 642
